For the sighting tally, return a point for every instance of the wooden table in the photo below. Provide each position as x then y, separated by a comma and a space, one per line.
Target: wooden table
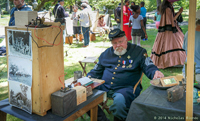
91, 104
96, 82
152, 105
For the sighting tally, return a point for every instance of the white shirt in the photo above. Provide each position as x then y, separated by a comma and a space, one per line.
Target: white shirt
136, 23
84, 19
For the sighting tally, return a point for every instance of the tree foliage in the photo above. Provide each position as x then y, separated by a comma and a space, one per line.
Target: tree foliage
149, 4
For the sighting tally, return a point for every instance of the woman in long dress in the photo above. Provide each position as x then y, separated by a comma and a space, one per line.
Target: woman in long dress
126, 14
167, 49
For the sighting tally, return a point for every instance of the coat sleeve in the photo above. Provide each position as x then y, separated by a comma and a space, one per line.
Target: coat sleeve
97, 71
147, 65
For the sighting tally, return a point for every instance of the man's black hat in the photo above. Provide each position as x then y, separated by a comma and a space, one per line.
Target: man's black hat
115, 34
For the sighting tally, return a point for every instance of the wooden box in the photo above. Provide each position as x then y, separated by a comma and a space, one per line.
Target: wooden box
89, 90
69, 40
63, 102
47, 65
81, 94
80, 37
175, 93
92, 37
23, 18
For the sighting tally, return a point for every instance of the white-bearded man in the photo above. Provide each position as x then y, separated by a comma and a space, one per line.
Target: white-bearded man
121, 66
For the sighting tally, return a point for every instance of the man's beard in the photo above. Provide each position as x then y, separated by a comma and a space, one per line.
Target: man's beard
17, 6
122, 52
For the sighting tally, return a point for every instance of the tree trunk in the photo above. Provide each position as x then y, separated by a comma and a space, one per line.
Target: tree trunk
40, 5
158, 2
70, 11
0, 11
8, 6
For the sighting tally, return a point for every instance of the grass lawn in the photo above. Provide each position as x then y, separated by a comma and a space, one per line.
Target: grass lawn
4, 20
76, 53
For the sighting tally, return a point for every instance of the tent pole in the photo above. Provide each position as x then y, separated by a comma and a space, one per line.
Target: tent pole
190, 61
122, 15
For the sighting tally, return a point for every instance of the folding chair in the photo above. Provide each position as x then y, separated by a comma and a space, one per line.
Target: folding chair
104, 104
87, 60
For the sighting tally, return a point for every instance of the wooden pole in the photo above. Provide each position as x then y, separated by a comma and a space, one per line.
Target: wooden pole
190, 61
122, 14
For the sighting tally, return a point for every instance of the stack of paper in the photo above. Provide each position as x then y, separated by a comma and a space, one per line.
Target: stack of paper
85, 81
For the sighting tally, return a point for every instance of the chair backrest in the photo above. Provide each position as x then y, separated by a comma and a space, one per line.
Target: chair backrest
107, 20
140, 81
94, 19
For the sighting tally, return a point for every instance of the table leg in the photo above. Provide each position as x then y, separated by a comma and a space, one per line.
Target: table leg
3, 116
93, 113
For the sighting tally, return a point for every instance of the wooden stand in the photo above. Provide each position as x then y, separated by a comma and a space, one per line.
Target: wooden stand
47, 66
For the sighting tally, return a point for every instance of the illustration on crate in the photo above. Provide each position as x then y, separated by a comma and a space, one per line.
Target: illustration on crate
20, 70
20, 96
19, 43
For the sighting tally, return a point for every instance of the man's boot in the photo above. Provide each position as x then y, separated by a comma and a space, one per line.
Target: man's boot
116, 119
101, 116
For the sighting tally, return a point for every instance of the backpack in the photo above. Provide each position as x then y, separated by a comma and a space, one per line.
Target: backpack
117, 18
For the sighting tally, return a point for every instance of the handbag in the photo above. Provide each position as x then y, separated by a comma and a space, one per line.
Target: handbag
61, 20
179, 18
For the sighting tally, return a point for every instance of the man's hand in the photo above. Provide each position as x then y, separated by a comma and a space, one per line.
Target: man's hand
158, 74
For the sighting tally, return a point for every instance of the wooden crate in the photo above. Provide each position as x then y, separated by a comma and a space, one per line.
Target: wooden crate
23, 18
92, 37
47, 66
69, 40
81, 94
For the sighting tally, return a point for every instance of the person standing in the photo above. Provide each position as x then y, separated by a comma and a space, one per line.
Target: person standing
126, 15
143, 13
59, 13
132, 4
137, 25
19, 6
157, 17
167, 50
76, 24
197, 50
118, 15
85, 25
88, 5
60, 10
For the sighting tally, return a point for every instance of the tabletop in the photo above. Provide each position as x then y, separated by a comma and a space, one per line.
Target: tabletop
7, 108
152, 105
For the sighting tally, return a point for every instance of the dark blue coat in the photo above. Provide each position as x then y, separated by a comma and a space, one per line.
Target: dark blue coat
119, 79
12, 16
61, 12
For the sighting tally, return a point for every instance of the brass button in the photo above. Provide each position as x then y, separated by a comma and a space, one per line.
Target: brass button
118, 65
119, 61
119, 56
113, 77
111, 82
115, 68
114, 73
